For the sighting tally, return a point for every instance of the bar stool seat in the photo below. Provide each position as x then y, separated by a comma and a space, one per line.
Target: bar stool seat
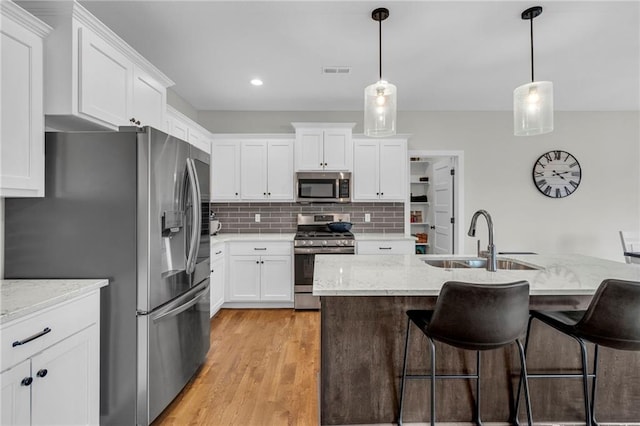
612, 319
474, 317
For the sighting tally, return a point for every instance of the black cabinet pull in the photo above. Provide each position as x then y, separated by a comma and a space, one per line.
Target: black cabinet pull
262, 261
30, 338
26, 381
259, 248
42, 372
384, 248
325, 164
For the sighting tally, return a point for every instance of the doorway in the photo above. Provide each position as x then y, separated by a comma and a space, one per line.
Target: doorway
434, 212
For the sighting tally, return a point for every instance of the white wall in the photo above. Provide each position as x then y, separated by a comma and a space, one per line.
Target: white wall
181, 105
499, 166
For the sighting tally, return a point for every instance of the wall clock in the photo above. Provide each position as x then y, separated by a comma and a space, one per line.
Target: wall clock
557, 174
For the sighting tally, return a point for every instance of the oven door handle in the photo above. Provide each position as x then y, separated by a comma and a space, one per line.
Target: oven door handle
323, 250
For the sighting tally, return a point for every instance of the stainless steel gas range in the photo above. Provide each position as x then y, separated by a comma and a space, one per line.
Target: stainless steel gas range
313, 238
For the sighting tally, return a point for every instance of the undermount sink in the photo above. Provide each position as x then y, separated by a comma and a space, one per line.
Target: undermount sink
504, 264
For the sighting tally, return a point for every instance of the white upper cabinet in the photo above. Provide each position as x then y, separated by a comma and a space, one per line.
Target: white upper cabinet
380, 168
21, 79
266, 170
94, 79
225, 170
182, 127
252, 167
323, 146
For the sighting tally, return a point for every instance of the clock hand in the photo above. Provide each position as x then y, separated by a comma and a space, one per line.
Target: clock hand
559, 174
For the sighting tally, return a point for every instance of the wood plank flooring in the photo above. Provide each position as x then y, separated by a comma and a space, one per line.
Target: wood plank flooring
262, 370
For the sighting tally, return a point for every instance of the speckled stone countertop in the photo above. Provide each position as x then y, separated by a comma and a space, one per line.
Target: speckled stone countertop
222, 238
408, 275
22, 297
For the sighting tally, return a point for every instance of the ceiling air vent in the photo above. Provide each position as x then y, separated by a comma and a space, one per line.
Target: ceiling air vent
336, 70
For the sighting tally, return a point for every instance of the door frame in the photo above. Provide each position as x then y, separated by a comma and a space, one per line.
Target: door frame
458, 191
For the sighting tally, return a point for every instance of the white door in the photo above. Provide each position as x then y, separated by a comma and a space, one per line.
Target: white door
244, 278
280, 170
337, 149
105, 81
149, 99
65, 389
276, 279
225, 170
253, 175
442, 235
15, 397
393, 170
366, 176
309, 149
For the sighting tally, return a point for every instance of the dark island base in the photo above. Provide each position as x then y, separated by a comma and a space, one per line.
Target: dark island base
362, 344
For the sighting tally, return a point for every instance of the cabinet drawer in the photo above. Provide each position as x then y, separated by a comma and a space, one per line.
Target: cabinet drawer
217, 251
261, 249
385, 247
62, 320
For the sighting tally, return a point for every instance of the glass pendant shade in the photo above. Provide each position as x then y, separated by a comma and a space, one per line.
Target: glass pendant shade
380, 109
533, 108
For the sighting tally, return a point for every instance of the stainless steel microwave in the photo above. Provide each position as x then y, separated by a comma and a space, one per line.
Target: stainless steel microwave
323, 187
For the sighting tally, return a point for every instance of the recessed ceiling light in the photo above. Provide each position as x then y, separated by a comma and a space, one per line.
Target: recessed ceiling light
256, 82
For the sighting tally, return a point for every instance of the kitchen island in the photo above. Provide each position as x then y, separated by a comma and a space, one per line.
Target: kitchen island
363, 323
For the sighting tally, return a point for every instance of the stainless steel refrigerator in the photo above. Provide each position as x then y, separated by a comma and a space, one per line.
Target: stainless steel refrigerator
131, 206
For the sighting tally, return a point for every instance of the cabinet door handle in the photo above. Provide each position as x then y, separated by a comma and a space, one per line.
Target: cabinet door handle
218, 252
26, 381
257, 262
384, 248
30, 338
382, 193
320, 164
42, 372
269, 194
325, 164
259, 248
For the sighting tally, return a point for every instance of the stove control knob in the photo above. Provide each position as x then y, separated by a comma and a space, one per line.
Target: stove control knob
324, 243
310, 243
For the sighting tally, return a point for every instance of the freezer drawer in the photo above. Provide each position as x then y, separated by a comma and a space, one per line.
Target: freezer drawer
173, 343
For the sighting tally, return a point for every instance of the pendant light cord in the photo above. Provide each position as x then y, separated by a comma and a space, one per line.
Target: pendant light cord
380, 47
531, 21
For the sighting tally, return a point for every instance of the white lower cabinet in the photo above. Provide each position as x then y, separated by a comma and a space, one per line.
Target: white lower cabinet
384, 247
52, 376
260, 272
217, 276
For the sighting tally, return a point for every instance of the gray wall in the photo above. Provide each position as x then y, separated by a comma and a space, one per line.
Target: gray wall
498, 169
181, 105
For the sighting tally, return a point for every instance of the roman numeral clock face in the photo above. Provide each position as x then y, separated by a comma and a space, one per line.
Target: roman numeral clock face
557, 174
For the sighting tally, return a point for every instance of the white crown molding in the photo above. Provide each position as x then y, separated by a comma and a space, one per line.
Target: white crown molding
323, 125
14, 12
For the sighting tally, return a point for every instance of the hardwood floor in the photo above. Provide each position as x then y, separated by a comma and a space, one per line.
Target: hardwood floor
262, 369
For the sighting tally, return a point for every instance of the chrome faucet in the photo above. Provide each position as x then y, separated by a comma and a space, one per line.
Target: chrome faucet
492, 264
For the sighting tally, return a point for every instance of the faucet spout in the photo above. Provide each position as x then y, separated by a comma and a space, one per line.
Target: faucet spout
491, 248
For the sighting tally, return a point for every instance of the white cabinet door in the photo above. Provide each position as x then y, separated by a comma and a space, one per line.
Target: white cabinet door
21, 107
276, 278
225, 170
217, 285
366, 177
105, 82
244, 278
149, 99
280, 170
65, 387
393, 170
253, 166
15, 399
309, 149
338, 149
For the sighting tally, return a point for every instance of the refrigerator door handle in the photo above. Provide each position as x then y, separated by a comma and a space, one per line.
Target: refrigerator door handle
195, 199
179, 309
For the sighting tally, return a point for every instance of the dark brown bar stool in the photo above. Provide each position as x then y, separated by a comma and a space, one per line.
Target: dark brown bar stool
612, 320
476, 317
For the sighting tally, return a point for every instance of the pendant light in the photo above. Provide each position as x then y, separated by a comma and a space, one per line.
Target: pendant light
380, 97
533, 102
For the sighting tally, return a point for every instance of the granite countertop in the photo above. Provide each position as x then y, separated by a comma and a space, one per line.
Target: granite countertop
404, 275
221, 238
383, 237
22, 297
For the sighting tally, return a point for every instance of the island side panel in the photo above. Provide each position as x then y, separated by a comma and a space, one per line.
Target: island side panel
362, 343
